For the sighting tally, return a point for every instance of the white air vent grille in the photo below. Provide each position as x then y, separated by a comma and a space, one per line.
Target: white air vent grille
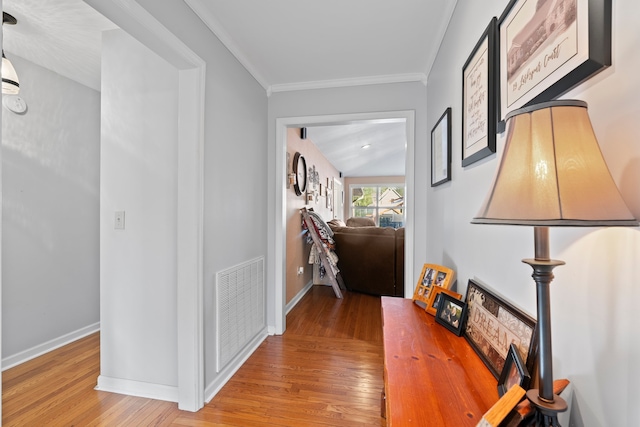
240, 308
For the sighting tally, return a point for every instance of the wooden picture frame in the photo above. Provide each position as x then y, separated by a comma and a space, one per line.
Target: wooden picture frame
493, 324
514, 372
434, 298
451, 313
545, 52
496, 416
432, 275
441, 150
479, 97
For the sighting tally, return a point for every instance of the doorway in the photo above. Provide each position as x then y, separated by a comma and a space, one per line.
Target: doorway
278, 274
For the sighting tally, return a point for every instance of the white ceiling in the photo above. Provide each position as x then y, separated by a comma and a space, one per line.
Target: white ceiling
289, 44
342, 145
284, 44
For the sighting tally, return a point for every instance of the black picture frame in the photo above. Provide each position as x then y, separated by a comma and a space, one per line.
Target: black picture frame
492, 324
479, 98
441, 150
514, 372
552, 64
451, 313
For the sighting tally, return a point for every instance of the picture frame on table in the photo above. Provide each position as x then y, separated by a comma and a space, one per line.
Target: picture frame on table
514, 372
493, 324
435, 298
451, 313
441, 150
546, 51
432, 275
479, 98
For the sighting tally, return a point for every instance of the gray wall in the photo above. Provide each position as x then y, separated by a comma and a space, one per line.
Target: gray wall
50, 162
138, 161
235, 166
593, 297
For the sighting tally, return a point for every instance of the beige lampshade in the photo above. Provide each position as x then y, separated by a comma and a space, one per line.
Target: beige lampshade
552, 172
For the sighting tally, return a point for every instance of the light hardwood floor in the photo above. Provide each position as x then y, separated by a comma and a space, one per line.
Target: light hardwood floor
326, 370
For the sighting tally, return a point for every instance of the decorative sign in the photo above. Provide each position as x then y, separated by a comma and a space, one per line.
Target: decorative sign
493, 325
479, 99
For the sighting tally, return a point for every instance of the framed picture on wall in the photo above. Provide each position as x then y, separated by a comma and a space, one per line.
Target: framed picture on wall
547, 48
479, 95
441, 150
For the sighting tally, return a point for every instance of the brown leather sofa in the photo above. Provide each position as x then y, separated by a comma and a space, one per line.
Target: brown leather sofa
371, 259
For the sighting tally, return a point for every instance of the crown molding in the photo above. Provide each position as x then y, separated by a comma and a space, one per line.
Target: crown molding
357, 81
214, 25
204, 13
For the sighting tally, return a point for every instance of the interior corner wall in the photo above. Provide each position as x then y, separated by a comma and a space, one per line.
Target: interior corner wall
297, 248
235, 171
50, 218
594, 296
138, 177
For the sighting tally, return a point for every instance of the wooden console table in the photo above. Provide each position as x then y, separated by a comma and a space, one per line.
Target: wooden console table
431, 377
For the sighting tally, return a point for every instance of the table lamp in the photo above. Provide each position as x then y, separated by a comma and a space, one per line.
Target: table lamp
551, 173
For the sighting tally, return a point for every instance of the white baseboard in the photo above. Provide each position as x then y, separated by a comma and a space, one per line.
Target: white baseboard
40, 349
295, 300
227, 372
138, 388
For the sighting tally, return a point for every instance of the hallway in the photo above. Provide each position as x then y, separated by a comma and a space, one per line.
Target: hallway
326, 370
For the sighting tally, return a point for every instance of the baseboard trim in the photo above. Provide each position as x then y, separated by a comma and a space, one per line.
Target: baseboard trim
295, 300
137, 388
40, 349
227, 372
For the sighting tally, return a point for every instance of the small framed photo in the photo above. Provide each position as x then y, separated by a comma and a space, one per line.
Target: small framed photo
435, 297
432, 275
451, 313
479, 81
514, 372
441, 150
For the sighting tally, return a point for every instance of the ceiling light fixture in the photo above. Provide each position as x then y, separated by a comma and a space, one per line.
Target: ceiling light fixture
10, 82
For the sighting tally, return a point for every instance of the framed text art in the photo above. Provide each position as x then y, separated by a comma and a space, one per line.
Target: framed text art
547, 48
493, 325
479, 89
441, 150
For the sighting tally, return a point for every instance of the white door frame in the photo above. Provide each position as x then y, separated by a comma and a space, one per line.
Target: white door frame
278, 273
134, 19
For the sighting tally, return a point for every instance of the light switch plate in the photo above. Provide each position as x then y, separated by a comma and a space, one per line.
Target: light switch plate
119, 220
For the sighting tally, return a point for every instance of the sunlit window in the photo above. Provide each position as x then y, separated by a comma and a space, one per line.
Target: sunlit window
384, 203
